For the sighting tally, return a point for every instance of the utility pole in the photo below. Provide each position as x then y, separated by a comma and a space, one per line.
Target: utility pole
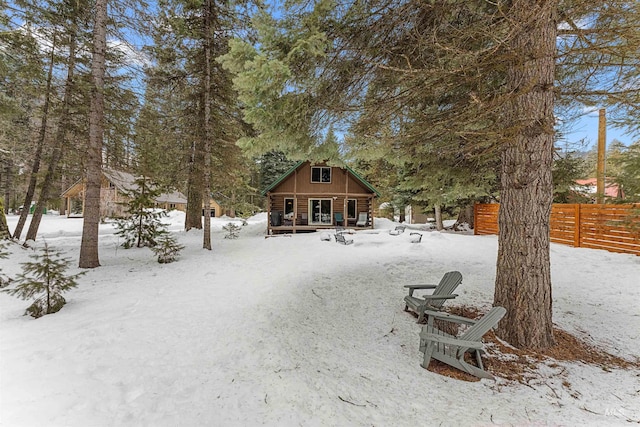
602, 144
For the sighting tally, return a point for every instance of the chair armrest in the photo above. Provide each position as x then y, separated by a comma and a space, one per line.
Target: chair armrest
414, 287
421, 286
449, 317
439, 296
451, 341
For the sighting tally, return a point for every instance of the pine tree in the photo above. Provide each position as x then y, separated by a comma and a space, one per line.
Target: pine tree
46, 280
232, 229
628, 176
272, 165
4, 228
567, 168
143, 225
167, 249
4, 279
89, 257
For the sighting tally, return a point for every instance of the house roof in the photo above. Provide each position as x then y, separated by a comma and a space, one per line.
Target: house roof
298, 164
125, 182
122, 180
174, 197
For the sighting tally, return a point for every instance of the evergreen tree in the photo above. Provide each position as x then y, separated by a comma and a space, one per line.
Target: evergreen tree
272, 165
4, 228
143, 225
46, 280
189, 37
567, 168
628, 176
4, 279
89, 245
167, 249
232, 229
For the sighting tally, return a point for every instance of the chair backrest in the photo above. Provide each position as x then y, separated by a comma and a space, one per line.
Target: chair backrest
482, 326
303, 215
338, 216
362, 218
447, 285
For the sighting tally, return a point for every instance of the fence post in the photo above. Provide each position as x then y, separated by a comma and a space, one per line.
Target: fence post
578, 221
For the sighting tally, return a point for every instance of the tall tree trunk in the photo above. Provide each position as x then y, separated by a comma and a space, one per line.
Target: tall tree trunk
35, 167
208, 133
523, 280
59, 142
89, 246
438, 213
465, 216
193, 218
8, 182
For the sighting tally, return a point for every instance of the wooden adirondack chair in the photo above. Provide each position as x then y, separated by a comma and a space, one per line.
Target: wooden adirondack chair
449, 349
363, 219
434, 302
398, 230
344, 240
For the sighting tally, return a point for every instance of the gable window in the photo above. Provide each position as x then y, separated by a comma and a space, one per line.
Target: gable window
352, 205
321, 174
320, 211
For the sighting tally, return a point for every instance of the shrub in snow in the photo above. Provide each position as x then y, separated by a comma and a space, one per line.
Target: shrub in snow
232, 229
325, 237
45, 280
167, 249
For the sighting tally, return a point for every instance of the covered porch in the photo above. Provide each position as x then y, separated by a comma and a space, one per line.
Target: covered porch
300, 213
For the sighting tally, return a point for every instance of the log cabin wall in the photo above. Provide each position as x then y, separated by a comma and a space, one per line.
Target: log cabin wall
342, 188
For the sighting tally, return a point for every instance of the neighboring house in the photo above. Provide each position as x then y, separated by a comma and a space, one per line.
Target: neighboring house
113, 189
216, 209
588, 187
309, 197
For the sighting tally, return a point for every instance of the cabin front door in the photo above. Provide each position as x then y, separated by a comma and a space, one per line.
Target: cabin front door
321, 211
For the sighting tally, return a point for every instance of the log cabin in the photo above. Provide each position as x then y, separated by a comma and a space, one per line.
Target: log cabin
310, 197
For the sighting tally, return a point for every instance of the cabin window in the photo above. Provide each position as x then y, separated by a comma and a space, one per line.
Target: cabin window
321, 174
288, 208
320, 211
352, 205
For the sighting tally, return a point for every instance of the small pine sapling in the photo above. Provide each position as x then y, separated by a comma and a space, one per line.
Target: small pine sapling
143, 226
4, 279
167, 249
232, 229
45, 280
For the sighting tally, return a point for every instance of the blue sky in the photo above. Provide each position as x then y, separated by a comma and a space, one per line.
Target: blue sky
586, 127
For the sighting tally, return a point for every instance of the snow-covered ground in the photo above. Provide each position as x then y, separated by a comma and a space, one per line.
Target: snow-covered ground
290, 331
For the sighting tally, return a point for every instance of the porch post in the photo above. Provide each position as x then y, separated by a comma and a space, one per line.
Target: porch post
268, 213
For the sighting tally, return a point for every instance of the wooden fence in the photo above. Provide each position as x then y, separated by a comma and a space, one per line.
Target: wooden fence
615, 228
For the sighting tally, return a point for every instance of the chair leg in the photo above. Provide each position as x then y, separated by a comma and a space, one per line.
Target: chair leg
428, 351
479, 359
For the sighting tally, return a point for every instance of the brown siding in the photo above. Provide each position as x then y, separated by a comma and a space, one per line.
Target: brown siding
343, 186
338, 184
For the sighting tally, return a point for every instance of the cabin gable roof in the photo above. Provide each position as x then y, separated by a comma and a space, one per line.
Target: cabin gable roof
288, 173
